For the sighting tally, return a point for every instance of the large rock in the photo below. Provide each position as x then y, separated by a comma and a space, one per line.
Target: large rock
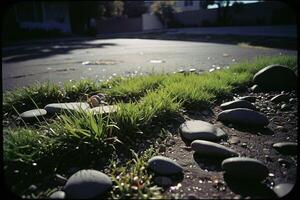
275, 77
206, 148
286, 148
201, 130
66, 107
86, 184
244, 169
164, 166
104, 109
283, 189
243, 116
33, 115
58, 195
237, 104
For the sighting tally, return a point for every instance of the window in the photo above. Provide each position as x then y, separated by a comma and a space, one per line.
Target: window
188, 3
29, 12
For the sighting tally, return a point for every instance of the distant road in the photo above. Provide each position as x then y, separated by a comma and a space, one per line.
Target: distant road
100, 59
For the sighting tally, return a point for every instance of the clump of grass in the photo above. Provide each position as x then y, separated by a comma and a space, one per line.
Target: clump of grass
26, 145
133, 180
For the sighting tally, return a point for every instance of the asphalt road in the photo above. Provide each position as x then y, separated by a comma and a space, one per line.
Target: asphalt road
101, 59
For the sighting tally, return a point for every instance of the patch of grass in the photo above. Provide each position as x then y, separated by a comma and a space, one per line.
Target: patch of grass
133, 181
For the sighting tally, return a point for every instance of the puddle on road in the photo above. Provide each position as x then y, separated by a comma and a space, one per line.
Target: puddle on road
156, 61
100, 62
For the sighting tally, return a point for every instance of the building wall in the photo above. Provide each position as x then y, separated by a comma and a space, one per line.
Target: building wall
151, 22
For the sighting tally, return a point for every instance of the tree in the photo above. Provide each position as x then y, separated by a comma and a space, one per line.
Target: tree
223, 6
110, 8
134, 8
164, 10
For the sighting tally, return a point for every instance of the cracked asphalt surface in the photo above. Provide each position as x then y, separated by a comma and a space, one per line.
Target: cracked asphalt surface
100, 59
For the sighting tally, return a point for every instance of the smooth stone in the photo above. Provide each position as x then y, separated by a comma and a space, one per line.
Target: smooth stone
279, 98
243, 116
255, 88
164, 166
104, 109
60, 179
244, 168
234, 140
197, 129
163, 181
248, 98
95, 100
237, 104
283, 189
284, 107
206, 148
288, 148
32, 115
276, 77
58, 195
87, 184
65, 107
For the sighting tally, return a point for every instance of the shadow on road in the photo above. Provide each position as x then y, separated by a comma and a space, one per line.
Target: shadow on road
42, 50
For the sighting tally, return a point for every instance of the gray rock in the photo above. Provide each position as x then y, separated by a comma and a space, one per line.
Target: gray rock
163, 181
164, 166
197, 129
60, 179
244, 169
243, 116
206, 148
234, 140
33, 115
66, 107
87, 184
286, 148
248, 98
255, 88
275, 77
58, 195
104, 109
237, 104
280, 98
284, 107
283, 189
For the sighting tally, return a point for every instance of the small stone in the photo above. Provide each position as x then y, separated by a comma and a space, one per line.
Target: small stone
192, 70
162, 148
284, 107
248, 98
234, 140
244, 168
164, 166
244, 145
237, 104
163, 181
60, 179
279, 98
283, 162
243, 116
197, 129
283, 189
32, 188
58, 195
95, 101
206, 148
255, 88
292, 100
33, 115
87, 184
286, 148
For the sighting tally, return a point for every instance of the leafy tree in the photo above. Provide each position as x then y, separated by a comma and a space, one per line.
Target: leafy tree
164, 10
134, 8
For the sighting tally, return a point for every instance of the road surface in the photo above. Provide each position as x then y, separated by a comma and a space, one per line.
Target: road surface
101, 59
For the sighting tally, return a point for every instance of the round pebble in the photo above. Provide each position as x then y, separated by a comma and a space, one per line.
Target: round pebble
283, 189
164, 166
58, 195
286, 148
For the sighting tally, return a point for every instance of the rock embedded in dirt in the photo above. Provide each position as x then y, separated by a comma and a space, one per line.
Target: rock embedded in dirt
248, 98
33, 115
243, 116
280, 97
276, 77
211, 149
243, 168
255, 88
104, 109
234, 140
237, 104
283, 189
58, 195
164, 166
95, 100
87, 184
197, 129
163, 181
66, 107
286, 148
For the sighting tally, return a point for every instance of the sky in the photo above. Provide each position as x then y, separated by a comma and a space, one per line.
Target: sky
245, 1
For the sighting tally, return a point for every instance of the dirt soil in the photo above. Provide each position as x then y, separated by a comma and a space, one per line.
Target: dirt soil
203, 177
